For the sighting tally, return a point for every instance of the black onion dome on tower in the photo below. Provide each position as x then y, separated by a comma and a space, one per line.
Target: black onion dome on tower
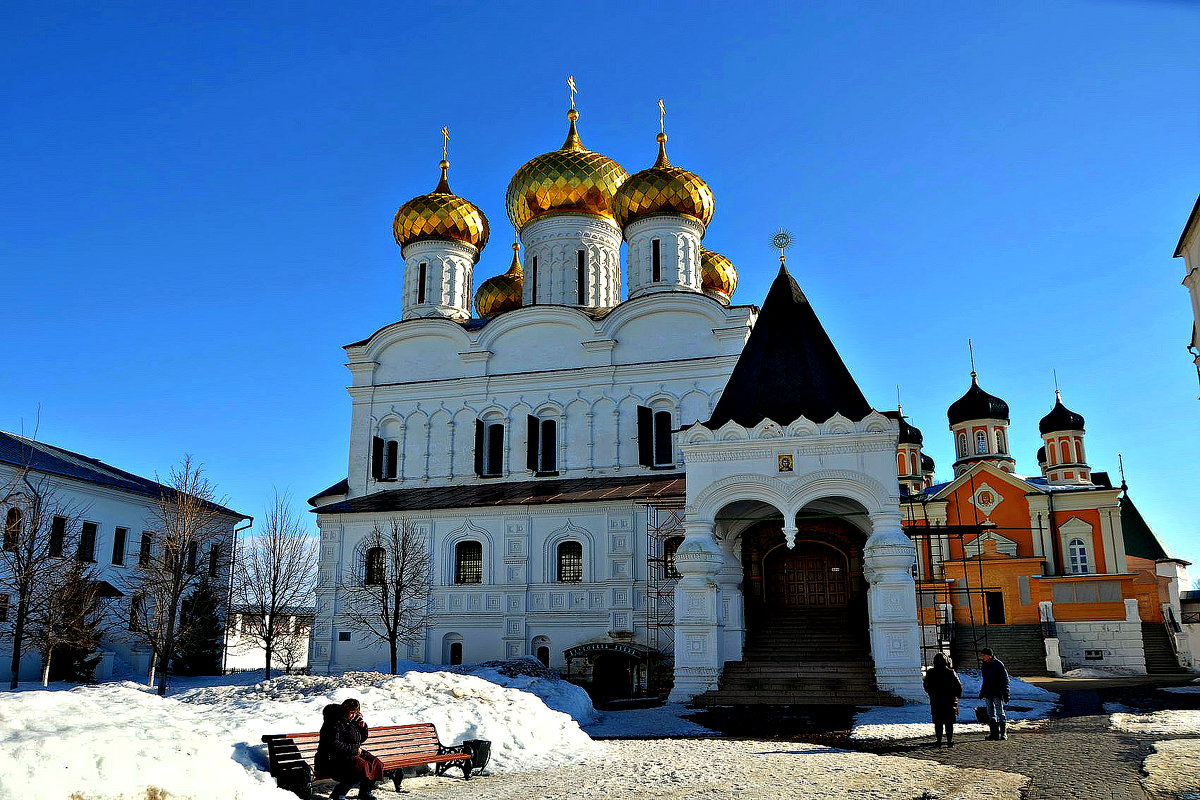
977, 404
909, 434
1060, 418
1041, 455
789, 368
926, 463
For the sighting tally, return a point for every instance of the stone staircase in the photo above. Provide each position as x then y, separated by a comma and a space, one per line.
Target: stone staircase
802, 658
1020, 647
1160, 658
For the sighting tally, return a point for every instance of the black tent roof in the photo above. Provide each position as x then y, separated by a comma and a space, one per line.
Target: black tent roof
789, 368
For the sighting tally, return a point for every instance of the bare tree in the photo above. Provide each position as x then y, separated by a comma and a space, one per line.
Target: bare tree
192, 527
41, 533
69, 612
274, 574
387, 595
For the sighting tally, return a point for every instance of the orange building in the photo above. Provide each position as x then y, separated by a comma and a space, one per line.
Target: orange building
1042, 569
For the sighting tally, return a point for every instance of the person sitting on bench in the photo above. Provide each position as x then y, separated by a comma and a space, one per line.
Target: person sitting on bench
340, 755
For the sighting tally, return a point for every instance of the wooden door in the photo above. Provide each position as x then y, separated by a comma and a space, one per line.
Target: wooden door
811, 576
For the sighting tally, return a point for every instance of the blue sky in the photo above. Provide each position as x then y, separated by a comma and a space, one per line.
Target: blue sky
197, 204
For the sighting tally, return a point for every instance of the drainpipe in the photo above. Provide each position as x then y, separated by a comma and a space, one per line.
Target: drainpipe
229, 598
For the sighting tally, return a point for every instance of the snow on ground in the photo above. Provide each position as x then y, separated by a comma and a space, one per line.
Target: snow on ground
1170, 722
721, 768
1093, 672
120, 739
1028, 702
1173, 769
1190, 689
647, 723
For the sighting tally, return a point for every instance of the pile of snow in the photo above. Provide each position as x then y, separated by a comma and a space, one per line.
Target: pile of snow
1171, 722
1173, 769
1099, 672
1027, 702
119, 739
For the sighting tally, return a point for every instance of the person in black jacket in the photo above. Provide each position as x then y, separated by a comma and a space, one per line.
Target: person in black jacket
340, 755
944, 688
994, 691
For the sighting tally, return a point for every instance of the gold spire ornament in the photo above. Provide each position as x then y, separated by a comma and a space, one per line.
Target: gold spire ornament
665, 189
571, 179
441, 214
502, 293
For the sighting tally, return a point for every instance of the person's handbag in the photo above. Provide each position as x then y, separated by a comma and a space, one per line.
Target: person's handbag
981, 714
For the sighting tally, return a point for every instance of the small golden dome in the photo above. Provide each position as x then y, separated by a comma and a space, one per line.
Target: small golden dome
441, 214
718, 276
570, 179
664, 189
502, 292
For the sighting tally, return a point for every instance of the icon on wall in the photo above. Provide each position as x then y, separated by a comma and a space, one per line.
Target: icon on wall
785, 462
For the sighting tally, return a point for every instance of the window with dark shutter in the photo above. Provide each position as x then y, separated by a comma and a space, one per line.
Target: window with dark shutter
548, 447
656, 260
570, 562
87, 542
662, 438
391, 457
144, 550
377, 445
479, 447
533, 433
495, 449
645, 436
374, 572
118, 555
468, 562
58, 535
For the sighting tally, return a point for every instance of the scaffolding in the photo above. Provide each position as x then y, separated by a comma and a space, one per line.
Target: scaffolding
663, 523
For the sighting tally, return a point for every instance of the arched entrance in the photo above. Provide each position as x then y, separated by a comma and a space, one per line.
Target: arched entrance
812, 575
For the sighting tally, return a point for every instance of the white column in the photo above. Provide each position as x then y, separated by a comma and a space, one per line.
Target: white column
699, 654
892, 607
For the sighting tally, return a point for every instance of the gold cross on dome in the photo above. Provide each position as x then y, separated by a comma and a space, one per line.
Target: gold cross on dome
662, 116
571, 85
445, 141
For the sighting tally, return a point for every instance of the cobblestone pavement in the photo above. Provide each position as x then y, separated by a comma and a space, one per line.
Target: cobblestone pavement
1066, 757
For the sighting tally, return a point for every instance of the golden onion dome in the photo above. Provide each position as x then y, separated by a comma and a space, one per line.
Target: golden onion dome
718, 276
441, 214
664, 189
502, 292
570, 179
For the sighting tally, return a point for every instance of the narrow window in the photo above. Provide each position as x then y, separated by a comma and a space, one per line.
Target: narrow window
391, 457
193, 554
1081, 459
468, 562
343, 636
962, 445
58, 535
670, 548
422, 269
1052, 451
1001, 445
12, 529
495, 449
136, 606
3, 608
214, 560
1066, 451
377, 448
144, 549
87, 542
542, 443
570, 562
662, 439
981, 443
1077, 553
533, 295
374, 567
455, 653
655, 260
581, 277
119, 545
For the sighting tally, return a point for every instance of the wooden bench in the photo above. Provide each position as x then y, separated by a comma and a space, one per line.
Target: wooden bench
397, 746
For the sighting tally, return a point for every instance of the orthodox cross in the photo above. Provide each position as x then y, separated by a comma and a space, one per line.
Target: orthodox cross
662, 116
445, 140
571, 85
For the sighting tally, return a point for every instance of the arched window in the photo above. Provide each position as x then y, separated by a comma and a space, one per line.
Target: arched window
452, 648
489, 448
541, 649
670, 548
385, 458
1001, 445
981, 443
1077, 556
455, 653
542, 446
1079, 450
1066, 451
570, 562
1052, 452
654, 438
12, 529
373, 574
468, 562
912, 464
962, 445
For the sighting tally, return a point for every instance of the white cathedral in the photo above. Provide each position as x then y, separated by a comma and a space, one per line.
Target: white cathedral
637, 485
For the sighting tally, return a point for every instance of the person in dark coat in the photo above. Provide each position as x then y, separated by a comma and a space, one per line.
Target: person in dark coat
340, 755
944, 688
994, 691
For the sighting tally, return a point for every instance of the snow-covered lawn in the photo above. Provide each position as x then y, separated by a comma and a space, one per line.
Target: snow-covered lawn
121, 741
1028, 702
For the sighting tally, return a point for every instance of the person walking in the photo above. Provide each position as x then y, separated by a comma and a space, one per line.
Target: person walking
944, 688
994, 691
